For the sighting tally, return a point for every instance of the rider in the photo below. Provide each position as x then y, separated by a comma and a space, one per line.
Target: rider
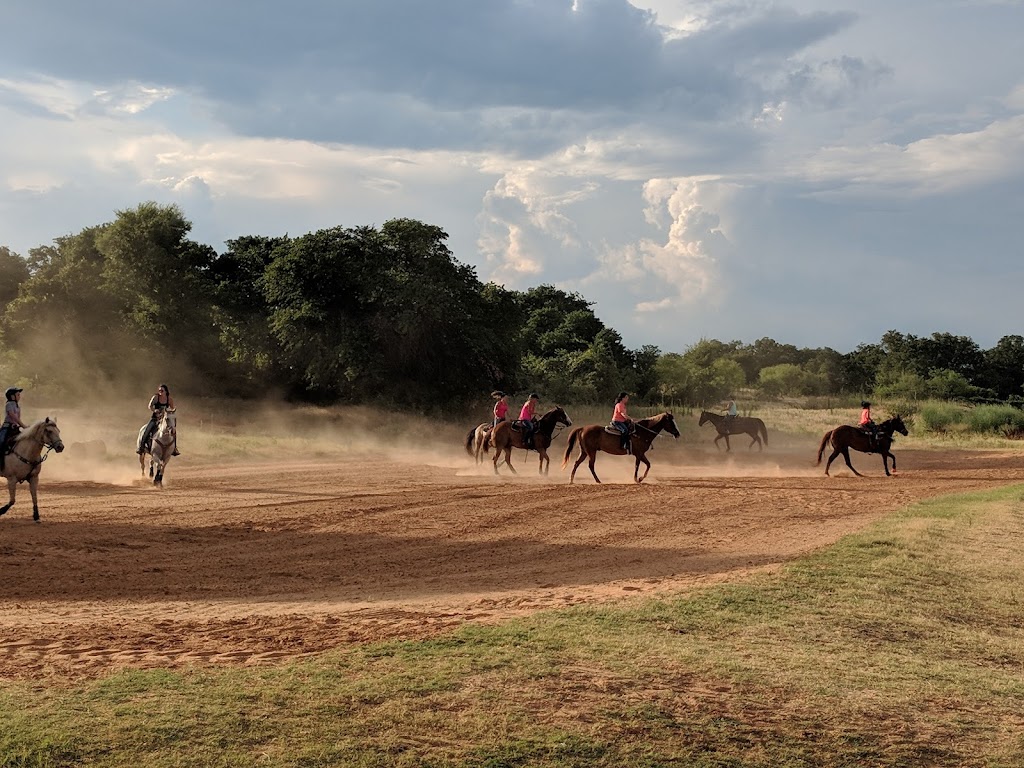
158, 403
12, 423
867, 423
730, 412
500, 407
528, 417
621, 420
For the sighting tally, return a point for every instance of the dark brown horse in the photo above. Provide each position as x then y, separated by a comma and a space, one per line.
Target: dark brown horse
846, 437
596, 438
738, 425
508, 435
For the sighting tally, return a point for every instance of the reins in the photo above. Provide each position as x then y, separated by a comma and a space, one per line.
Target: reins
41, 459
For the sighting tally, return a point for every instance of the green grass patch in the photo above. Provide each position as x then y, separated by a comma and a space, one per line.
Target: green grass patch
900, 646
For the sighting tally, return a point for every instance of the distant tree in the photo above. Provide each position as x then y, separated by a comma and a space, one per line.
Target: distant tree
242, 314
860, 368
162, 283
792, 380
1002, 369
13, 272
645, 361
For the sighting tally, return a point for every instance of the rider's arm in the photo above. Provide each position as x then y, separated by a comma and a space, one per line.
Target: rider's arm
170, 402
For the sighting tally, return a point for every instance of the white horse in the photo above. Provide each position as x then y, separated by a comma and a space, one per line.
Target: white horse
162, 448
475, 441
26, 459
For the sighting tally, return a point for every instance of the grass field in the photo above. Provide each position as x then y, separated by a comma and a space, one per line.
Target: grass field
900, 646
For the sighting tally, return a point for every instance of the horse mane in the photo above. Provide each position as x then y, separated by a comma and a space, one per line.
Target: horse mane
33, 430
650, 420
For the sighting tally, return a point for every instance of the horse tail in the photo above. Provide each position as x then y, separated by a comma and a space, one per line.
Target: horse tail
469, 441
764, 431
572, 444
486, 447
824, 442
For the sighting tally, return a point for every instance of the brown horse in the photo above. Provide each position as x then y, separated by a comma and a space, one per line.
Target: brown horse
738, 425
504, 438
596, 438
846, 437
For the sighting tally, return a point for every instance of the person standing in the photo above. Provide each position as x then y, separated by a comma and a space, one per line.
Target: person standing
621, 420
528, 418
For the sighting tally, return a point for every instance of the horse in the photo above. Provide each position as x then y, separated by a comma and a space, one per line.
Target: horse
738, 425
846, 437
596, 438
475, 441
504, 438
26, 459
162, 447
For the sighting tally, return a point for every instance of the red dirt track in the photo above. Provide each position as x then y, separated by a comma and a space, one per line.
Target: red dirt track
247, 563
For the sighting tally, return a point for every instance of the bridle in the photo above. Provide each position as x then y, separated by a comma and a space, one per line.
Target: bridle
36, 462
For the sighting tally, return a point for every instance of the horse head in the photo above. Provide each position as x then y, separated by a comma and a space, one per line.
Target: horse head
168, 420
663, 421
561, 417
668, 423
897, 425
705, 417
46, 432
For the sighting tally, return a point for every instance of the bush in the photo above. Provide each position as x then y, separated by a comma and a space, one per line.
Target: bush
1000, 419
937, 416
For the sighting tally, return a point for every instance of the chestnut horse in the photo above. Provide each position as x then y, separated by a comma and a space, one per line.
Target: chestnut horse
596, 438
738, 425
26, 459
504, 438
846, 437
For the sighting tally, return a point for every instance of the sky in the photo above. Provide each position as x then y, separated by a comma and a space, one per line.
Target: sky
814, 172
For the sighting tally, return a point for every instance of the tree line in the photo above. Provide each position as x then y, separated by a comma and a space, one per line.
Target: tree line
389, 316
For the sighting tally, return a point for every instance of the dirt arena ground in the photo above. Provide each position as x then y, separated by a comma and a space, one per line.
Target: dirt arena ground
250, 562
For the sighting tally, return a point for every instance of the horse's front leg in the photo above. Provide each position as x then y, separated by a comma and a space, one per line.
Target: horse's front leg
142, 463
11, 485
885, 463
33, 488
637, 470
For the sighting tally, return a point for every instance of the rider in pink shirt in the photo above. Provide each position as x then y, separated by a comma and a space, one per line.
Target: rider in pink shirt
866, 422
621, 420
500, 407
528, 416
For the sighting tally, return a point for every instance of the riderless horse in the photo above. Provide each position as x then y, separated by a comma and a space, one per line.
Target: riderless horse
475, 441
735, 425
595, 438
26, 458
507, 435
162, 447
846, 437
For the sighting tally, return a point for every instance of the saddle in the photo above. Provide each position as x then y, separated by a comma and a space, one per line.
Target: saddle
8, 444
